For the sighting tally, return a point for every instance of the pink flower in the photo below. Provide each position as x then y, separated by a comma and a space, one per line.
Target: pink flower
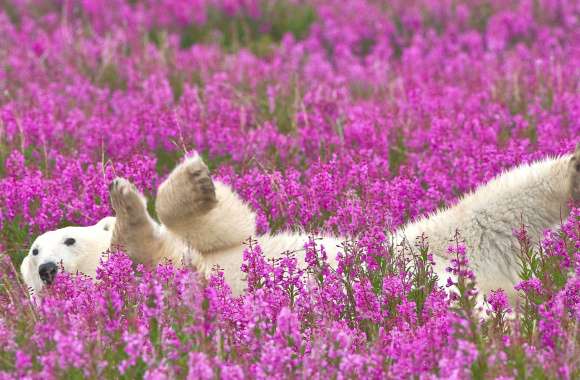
533, 286
498, 301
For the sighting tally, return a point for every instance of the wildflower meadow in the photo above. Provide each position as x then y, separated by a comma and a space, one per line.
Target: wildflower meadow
346, 117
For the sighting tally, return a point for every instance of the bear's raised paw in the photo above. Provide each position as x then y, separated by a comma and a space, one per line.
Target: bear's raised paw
186, 194
128, 203
201, 186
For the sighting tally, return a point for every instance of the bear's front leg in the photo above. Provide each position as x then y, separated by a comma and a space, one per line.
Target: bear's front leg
134, 228
186, 195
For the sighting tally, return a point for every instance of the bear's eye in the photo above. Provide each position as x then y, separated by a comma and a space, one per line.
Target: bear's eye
69, 242
35, 251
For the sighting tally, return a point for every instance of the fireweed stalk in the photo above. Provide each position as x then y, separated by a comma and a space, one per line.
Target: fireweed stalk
323, 122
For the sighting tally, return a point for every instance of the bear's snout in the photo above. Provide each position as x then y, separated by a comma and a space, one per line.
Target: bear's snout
47, 272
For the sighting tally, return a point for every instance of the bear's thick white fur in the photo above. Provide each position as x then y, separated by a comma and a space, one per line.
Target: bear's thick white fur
204, 223
536, 195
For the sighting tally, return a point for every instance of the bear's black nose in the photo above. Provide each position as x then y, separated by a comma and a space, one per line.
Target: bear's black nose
47, 272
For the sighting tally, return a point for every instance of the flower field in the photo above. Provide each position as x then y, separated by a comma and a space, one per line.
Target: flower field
347, 117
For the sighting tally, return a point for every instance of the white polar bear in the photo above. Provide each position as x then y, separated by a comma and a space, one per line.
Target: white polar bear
77, 249
204, 223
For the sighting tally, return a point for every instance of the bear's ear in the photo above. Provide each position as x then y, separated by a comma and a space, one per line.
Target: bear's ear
107, 224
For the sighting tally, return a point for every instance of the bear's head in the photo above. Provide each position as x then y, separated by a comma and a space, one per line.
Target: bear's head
74, 249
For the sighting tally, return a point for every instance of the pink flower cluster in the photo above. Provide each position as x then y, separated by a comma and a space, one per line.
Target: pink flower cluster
347, 117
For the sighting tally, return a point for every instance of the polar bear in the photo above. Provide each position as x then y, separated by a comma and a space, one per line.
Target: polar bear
204, 223
76, 249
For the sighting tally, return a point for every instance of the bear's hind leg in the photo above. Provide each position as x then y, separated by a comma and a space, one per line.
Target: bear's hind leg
186, 195
208, 215
134, 228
